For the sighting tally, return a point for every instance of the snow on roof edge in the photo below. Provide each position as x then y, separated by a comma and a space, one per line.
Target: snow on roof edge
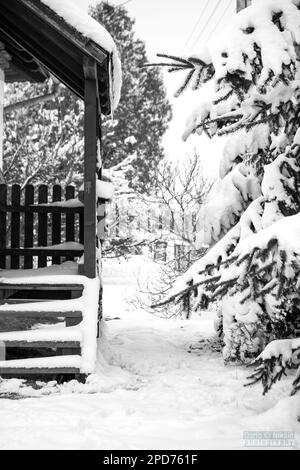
91, 29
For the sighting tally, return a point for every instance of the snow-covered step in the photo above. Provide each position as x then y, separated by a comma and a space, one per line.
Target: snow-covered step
44, 334
63, 307
74, 346
49, 344
42, 366
20, 300
75, 316
64, 341
4, 285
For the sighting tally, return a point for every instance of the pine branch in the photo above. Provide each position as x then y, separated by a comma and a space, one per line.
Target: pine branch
185, 84
268, 373
176, 67
177, 59
188, 290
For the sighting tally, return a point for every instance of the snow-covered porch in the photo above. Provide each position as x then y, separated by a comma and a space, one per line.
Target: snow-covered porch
40, 39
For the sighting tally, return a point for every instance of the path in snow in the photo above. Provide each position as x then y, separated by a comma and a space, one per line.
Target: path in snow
150, 392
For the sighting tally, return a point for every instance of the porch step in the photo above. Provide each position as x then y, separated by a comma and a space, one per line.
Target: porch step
53, 307
41, 366
75, 253
41, 344
20, 300
52, 350
54, 335
40, 286
49, 314
53, 310
25, 314
63, 341
20, 296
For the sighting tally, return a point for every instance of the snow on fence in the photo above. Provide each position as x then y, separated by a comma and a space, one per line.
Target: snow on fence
38, 225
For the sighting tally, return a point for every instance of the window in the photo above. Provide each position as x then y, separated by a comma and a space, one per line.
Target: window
241, 4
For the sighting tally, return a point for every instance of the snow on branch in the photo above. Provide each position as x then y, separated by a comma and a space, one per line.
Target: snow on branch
272, 253
199, 69
253, 66
274, 361
231, 197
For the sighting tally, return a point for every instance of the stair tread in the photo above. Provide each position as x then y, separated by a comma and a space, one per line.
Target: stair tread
43, 334
42, 345
55, 362
21, 301
60, 306
68, 269
50, 278
22, 285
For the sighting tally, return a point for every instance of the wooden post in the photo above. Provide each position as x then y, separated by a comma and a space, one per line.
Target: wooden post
90, 166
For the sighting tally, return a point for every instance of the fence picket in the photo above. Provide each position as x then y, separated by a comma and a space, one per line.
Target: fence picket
3, 225
28, 225
15, 225
70, 220
56, 222
43, 225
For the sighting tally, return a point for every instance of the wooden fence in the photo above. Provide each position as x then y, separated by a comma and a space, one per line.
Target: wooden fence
36, 224
131, 219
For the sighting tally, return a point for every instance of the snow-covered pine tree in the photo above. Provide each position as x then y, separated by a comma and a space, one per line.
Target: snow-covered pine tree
252, 224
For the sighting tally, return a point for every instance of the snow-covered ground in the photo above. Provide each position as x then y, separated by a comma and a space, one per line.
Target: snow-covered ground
151, 390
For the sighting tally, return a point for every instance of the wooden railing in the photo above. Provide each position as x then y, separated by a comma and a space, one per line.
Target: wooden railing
37, 225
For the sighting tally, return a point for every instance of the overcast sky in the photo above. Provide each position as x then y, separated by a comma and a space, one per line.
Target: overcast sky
177, 27
166, 25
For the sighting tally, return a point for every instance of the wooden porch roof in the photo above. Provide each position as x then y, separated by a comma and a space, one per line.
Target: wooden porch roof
40, 42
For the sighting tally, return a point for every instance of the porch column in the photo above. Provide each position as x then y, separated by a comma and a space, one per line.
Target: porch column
90, 167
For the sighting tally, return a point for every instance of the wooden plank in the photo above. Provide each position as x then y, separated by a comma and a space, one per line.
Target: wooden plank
18, 301
90, 169
42, 344
70, 220
41, 314
42, 226
40, 286
56, 222
3, 225
81, 228
15, 227
28, 235
47, 209
39, 371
